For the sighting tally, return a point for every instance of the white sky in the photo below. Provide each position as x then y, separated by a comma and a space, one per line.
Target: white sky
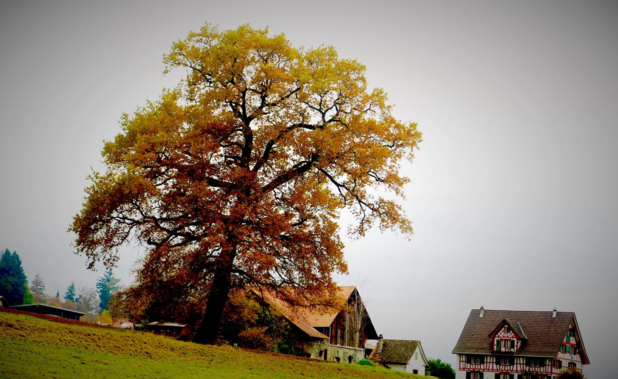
514, 196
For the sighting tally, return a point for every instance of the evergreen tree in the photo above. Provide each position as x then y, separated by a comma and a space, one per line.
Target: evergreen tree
70, 294
107, 286
13, 281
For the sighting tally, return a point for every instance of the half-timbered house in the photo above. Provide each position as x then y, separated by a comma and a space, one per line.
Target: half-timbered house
496, 344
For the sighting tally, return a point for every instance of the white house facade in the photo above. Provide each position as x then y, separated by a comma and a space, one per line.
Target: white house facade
400, 355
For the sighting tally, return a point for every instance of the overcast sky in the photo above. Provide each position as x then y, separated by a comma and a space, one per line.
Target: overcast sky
514, 193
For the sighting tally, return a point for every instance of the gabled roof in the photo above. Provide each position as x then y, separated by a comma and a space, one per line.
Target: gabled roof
307, 319
292, 314
396, 351
544, 333
514, 325
323, 318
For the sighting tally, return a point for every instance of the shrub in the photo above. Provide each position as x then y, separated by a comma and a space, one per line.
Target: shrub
365, 362
257, 339
571, 373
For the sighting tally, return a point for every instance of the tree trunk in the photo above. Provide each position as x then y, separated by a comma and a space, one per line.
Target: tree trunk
217, 299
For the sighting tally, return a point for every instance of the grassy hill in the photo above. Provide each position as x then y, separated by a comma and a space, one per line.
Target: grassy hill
31, 347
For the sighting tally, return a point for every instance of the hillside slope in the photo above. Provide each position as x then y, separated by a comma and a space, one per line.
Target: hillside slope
35, 348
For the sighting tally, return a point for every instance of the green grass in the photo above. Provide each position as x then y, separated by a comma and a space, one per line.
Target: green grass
34, 348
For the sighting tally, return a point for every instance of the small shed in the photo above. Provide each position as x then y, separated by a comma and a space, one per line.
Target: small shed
172, 329
49, 310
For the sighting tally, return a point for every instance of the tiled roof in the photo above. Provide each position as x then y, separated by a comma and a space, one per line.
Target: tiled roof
544, 333
306, 319
323, 318
394, 351
292, 314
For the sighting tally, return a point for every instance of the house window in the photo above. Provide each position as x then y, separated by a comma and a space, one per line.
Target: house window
415, 371
505, 360
475, 359
474, 375
512, 344
416, 356
535, 362
505, 376
558, 364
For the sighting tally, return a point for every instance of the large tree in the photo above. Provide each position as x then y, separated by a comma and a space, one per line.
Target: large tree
239, 175
13, 281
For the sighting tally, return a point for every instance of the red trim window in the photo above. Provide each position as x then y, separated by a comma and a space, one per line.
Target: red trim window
475, 359
474, 375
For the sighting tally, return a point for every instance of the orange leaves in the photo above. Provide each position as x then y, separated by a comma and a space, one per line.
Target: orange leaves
255, 155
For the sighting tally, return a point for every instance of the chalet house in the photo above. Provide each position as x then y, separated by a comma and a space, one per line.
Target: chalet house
400, 355
519, 345
332, 334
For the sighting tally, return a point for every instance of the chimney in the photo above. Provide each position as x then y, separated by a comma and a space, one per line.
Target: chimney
482, 311
554, 313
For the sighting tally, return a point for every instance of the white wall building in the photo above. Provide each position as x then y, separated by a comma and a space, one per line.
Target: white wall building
400, 355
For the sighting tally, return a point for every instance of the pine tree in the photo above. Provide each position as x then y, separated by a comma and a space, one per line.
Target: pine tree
107, 286
70, 294
13, 281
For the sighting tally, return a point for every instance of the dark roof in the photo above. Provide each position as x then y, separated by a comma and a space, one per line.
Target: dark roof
34, 307
394, 351
544, 333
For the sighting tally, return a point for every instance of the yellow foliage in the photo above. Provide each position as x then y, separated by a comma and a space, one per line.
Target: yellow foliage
104, 318
239, 175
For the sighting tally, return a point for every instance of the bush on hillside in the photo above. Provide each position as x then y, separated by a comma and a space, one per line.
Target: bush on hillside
365, 362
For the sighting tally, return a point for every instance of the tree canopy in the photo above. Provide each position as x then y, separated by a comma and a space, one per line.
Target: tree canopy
38, 289
70, 294
439, 369
107, 286
239, 175
13, 281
